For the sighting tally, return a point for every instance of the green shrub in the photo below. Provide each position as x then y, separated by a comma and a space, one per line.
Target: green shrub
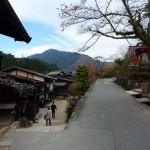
123, 68
70, 109
136, 76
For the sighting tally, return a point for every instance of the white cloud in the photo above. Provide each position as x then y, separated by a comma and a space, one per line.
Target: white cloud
60, 40
43, 11
32, 50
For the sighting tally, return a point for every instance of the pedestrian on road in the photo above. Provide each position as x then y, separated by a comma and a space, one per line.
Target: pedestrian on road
53, 108
48, 117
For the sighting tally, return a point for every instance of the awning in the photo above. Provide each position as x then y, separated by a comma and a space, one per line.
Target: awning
10, 24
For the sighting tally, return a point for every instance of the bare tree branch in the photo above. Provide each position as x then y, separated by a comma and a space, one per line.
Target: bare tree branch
130, 20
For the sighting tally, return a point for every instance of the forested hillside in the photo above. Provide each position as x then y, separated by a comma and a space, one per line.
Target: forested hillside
9, 60
64, 60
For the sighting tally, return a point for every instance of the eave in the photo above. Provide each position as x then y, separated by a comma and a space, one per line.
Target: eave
10, 24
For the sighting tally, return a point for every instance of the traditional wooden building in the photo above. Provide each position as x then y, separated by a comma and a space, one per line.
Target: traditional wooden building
16, 99
35, 90
62, 83
61, 86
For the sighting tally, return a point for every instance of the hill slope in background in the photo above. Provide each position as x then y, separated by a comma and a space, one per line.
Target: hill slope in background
37, 65
64, 60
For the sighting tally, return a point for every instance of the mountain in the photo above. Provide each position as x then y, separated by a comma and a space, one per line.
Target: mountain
64, 60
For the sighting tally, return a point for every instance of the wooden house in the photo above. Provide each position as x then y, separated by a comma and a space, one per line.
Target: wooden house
62, 83
15, 97
61, 86
34, 91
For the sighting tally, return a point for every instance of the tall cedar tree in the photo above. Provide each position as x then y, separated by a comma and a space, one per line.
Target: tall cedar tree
82, 77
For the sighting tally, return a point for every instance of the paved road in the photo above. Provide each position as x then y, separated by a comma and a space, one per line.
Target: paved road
107, 119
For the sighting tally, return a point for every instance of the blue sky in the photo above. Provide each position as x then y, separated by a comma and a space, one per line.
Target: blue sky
41, 21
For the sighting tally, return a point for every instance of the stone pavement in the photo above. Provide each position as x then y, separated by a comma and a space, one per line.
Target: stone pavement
60, 115
57, 124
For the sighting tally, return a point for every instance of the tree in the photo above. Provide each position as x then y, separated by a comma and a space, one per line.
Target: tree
100, 63
82, 77
9, 60
109, 71
117, 19
75, 89
91, 72
124, 67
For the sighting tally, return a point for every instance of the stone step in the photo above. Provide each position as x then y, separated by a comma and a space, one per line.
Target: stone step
143, 100
133, 93
138, 90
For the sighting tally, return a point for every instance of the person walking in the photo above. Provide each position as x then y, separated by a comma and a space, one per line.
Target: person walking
47, 117
53, 108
